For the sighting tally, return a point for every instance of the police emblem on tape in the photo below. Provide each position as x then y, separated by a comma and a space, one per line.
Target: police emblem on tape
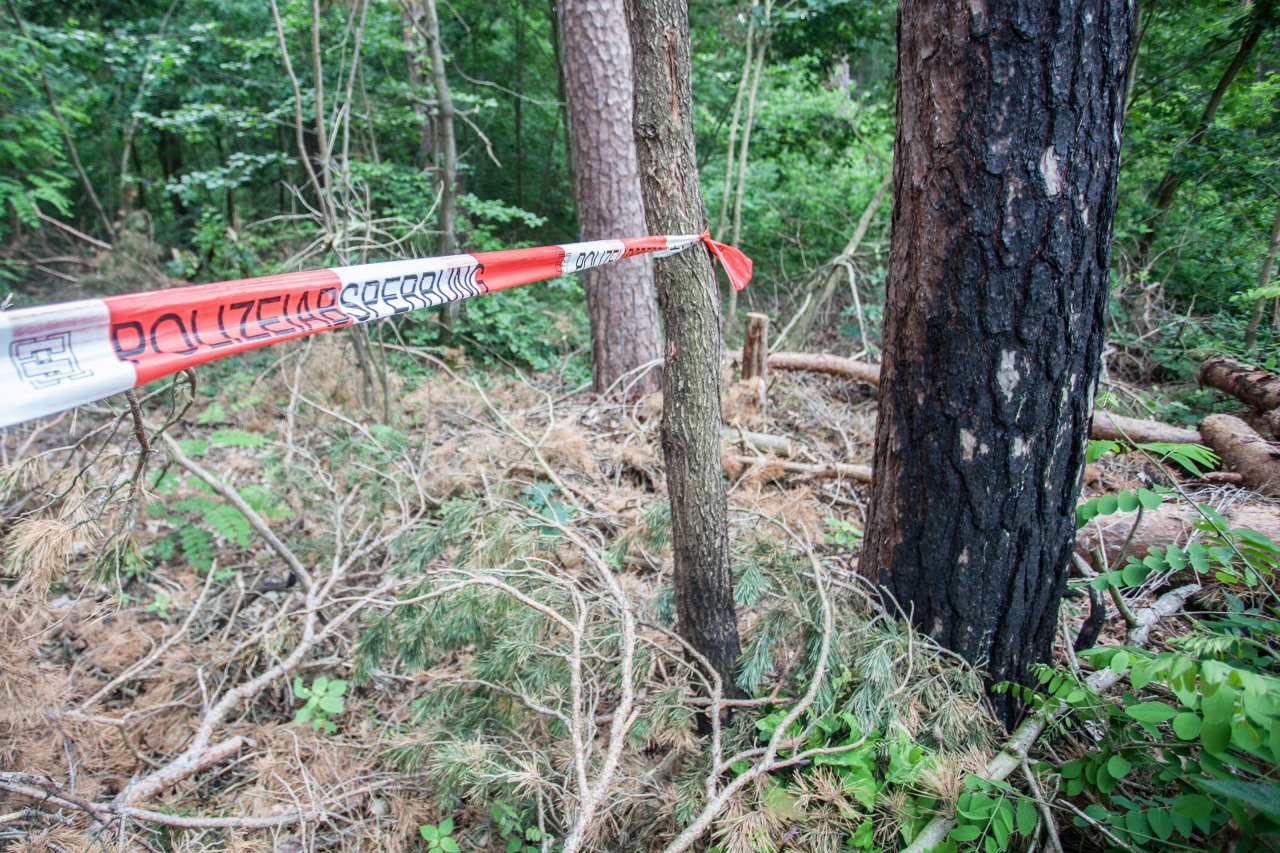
46, 361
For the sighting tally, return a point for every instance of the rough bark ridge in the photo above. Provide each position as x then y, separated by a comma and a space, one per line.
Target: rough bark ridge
1009, 115
620, 298
690, 304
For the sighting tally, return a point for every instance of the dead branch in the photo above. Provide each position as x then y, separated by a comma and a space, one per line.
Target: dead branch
233, 497
777, 468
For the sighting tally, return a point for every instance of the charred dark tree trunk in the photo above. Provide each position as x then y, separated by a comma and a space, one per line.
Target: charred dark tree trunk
1008, 135
621, 303
690, 304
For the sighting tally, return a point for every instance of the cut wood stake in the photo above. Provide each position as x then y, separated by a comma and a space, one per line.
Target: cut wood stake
755, 352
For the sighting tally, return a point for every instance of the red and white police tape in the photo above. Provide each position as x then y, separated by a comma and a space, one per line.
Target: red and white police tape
70, 353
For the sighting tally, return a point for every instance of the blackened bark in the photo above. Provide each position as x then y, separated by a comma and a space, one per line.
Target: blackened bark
690, 304
1008, 135
621, 303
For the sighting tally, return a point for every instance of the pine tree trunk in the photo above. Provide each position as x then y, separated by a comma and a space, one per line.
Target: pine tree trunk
621, 303
690, 304
1008, 130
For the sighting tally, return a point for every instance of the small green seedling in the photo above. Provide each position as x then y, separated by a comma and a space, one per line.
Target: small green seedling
160, 606
843, 534
324, 698
439, 837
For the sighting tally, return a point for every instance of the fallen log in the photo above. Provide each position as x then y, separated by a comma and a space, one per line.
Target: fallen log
1120, 428
1105, 424
781, 445
1255, 386
1170, 524
817, 362
775, 469
1242, 450
1270, 422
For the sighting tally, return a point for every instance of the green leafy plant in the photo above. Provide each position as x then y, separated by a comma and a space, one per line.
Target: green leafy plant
439, 837
842, 534
1193, 458
516, 836
160, 605
324, 698
1189, 749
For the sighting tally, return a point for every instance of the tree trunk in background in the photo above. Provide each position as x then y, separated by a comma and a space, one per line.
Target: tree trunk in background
446, 145
690, 305
415, 24
1264, 279
1008, 131
621, 302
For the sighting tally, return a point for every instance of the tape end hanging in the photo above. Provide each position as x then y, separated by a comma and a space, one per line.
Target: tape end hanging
736, 265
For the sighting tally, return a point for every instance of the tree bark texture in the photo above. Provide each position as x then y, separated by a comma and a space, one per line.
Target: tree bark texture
621, 303
1252, 385
690, 303
1008, 134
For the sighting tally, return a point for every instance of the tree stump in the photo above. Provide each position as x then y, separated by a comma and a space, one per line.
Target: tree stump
755, 354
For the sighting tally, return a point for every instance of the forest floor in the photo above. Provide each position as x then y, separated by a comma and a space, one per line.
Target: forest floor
149, 635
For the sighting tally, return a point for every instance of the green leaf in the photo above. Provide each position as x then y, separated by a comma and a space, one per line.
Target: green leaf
1215, 736
1150, 712
1026, 817
429, 832
331, 704
298, 690
1118, 766
448, 845
967, 832
1161, 823
1149, 499
303, 715
1255, 795
1193, 806
446, 826
237, 438
1187, 725
193, 446
337, 687
1098, 448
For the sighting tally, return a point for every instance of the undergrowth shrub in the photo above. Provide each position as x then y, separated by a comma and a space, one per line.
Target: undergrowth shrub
1186, 753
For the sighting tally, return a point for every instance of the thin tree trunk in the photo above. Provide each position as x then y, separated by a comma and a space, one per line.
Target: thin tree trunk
1172, 178
1264, 279
447, 145
731, 315
1004, 192
415, 23
731, 148
621, 302
690, 305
